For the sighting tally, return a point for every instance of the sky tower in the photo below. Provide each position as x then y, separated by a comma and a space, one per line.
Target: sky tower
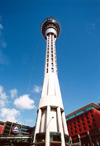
50, 128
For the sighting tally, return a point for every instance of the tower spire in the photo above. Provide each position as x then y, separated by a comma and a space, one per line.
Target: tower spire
50, 115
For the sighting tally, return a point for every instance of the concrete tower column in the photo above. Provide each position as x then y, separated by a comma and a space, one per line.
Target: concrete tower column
47, 127
37, 123
60, 125
64, 123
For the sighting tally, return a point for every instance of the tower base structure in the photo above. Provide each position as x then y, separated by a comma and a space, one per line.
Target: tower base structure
49, 127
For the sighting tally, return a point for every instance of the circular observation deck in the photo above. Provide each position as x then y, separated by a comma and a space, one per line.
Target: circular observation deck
50, 25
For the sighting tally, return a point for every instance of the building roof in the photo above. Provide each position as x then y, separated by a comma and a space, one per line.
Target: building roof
92, 104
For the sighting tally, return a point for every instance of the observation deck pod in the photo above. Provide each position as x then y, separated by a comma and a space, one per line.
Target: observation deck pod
50, 25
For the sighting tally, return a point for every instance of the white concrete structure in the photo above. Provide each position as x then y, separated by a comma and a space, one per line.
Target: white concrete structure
51, 125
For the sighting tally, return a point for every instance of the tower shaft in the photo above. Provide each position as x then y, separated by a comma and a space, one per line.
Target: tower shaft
50, 125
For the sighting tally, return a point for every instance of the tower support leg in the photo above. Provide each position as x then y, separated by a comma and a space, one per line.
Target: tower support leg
60, 126
47, 138
37, 123
64, 123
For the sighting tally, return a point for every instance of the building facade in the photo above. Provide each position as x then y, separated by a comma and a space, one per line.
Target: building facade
14, 134
84, 125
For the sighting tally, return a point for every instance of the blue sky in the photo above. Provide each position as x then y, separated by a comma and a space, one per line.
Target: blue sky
22, 55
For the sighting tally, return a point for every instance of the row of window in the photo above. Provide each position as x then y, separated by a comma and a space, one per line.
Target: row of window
81, 120
84, 128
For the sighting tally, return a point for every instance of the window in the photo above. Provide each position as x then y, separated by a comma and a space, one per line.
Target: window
71, 132
75, 131
79, 125
52, 70
47, 70
95, 125
84, 128
40, 137
86, 114
55, 136
79, 130
92, 115
82, 119
74, 123
71, 128
87, 118
89, 126
74, 127
83, 124
90, 111
93, 120
88, 122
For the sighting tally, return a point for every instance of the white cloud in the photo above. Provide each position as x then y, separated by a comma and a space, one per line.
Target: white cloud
2, 103
13, 93
2, 93
3, 59
37, 89
9, 114
3, 97
24, 102
4, 45
1, 26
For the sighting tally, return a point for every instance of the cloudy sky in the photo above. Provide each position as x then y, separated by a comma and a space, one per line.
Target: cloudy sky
22, 55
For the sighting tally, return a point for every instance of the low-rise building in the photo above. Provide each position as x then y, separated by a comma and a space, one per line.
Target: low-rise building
14, 134
84, 125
